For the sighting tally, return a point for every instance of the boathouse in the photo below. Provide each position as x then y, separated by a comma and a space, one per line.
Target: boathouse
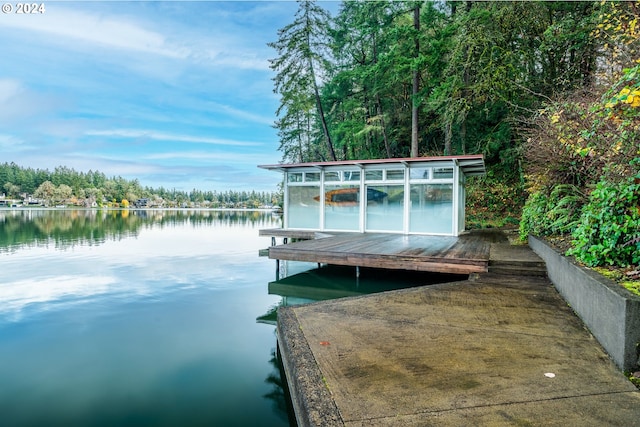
419, 195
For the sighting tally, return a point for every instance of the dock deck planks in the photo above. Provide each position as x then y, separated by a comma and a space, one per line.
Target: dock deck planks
442, 254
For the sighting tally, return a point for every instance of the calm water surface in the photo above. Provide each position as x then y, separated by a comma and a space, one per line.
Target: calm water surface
149, 318
137, 318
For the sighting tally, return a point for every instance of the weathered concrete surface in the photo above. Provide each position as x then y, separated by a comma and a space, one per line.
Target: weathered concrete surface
465, 353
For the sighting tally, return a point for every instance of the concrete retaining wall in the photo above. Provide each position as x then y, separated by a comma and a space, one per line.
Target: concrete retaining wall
611, 312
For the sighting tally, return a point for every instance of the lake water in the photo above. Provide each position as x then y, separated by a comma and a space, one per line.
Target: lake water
148, 318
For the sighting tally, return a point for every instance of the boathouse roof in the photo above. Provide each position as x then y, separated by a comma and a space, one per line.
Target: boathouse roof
470, 164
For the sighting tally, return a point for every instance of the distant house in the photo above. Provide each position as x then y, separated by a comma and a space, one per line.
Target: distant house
421, 195
29, 200
141, 203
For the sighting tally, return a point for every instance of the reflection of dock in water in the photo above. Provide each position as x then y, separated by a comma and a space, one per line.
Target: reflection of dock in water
333, 282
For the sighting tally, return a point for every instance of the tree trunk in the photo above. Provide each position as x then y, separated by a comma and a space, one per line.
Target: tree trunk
465, 93
387, 147
463, 135
447, 137
416, 87
323, 120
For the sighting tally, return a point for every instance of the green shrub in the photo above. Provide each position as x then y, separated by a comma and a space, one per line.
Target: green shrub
493, 201
610, 225
558, 213
565, 207
534, 216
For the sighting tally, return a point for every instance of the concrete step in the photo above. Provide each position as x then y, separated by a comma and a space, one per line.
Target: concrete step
522, 270
515, 260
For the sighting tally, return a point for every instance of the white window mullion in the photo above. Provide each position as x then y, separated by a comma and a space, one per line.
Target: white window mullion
407, 201
456, 197
285, 212
322, 200
363, 201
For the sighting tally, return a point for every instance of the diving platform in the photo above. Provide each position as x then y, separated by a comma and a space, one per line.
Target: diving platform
464, 254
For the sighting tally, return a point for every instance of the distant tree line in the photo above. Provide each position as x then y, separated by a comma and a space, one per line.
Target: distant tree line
64, 185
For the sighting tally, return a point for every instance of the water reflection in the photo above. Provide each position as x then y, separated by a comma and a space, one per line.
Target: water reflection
279, 393
54, 259
136, 318
331, 282
66, 228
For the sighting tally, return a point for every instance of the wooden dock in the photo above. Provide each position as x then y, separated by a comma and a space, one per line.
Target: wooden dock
465, 254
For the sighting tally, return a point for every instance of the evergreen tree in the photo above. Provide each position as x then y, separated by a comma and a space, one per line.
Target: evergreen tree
300, 65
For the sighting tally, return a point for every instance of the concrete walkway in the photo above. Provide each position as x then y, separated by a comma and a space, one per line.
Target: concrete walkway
500, 350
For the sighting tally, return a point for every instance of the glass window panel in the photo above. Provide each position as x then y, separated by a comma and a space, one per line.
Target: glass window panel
373, 175
385, 207
294, 176
431, 208
304, 207
351, 175
442, 173
395, 174
419, 173
332, 176
342, 207
312, 177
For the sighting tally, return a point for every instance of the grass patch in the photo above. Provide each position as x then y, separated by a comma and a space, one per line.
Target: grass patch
624, 277
634, 378
628, 278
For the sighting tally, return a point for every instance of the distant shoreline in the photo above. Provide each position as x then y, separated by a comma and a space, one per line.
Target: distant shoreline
79, 208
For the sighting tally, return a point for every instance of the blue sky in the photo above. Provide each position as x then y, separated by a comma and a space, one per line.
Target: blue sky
174, 94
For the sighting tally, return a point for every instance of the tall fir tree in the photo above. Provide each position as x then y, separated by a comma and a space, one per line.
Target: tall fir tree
301, 62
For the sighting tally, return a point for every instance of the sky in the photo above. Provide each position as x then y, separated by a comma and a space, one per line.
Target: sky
175, 94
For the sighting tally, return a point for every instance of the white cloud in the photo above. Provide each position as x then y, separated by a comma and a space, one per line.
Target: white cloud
9, 142
94, 28
17, 102
160, 136
15, 296
228, 158
240, 114
90, 28
233, 59
9, 89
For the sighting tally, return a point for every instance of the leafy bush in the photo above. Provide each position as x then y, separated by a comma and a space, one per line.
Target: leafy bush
585, 144
609, 229
534, 216
492, 201
558, 213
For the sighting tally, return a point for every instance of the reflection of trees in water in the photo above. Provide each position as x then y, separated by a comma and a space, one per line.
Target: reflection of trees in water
63, 228
66, 228
223, 218
279, 394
